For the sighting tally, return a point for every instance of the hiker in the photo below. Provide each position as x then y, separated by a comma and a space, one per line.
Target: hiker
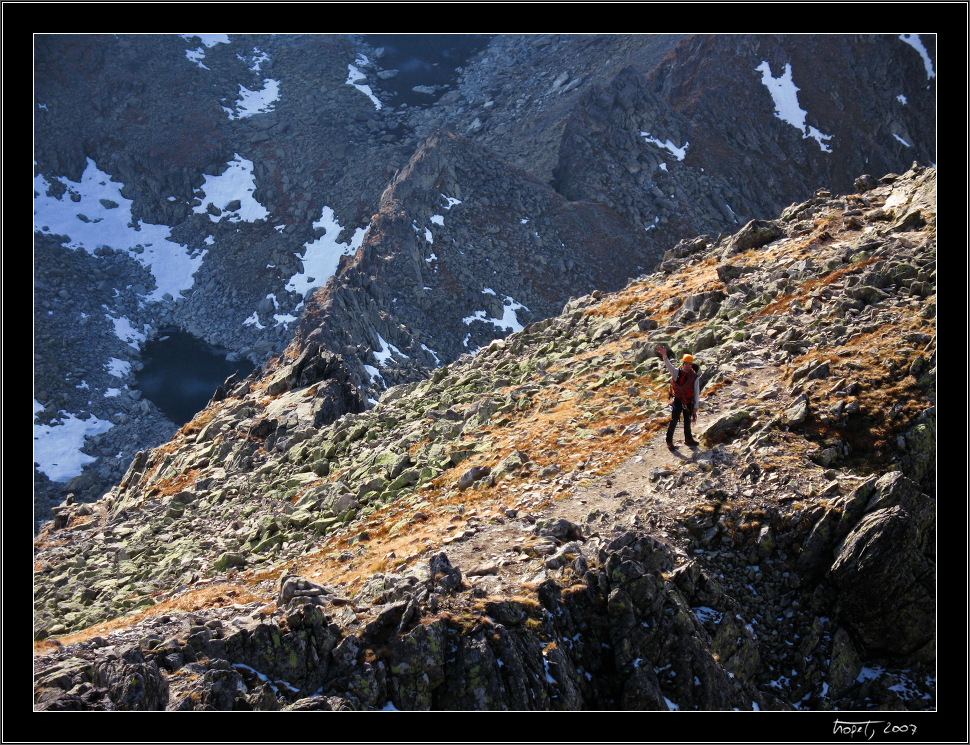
686, 389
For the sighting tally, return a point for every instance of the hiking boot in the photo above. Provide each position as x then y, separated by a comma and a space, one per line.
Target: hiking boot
691, 443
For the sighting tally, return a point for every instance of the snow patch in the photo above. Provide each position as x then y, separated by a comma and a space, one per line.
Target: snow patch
236, 183
678, 152
914, 41
387, 352
208, 41
354, 76
253, 320
257, 58
437, 360
374, 374
784, 93
509, 320
284, 318
704, 613
322, 256
57, 448
274, 684
118, 368
102, 217
545, 665
126, 332
256, 101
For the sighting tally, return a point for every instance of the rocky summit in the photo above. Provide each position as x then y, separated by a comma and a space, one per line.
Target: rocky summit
510, 532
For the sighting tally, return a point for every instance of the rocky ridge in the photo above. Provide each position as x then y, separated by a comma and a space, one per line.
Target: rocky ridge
449, 262
565, 112
510, 533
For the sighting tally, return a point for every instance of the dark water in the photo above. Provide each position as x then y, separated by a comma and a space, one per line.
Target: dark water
422, 59
181, 372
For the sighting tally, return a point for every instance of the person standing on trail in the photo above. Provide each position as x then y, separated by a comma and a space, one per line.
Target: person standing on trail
685, 385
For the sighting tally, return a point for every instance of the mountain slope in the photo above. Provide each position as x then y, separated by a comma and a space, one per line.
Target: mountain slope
262, 160
511, 533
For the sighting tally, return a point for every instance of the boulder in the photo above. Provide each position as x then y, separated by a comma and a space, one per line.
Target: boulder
755, 234
134, 683
472, 475
443, 576
798, 411
844, 663
885, 574
726, 426
299, 590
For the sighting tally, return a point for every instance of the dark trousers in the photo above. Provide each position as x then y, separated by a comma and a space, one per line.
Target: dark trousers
676, 410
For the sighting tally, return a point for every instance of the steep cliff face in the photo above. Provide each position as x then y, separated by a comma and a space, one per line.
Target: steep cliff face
511, 532
578, 160
730, 128
463, 248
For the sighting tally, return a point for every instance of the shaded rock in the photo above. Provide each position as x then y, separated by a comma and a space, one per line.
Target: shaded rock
472, 475
754, 234
134, 683
726, 426
443, 576
885, 577
844, 663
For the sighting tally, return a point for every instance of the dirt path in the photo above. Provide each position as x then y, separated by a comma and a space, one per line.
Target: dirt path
651, 491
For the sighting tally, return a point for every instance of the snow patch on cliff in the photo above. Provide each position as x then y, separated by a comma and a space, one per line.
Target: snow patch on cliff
508, 322
322, 256
678, 152
916, 43
784, 93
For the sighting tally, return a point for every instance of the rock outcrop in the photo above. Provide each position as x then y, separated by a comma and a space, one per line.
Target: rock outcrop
450, 261
510, 532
